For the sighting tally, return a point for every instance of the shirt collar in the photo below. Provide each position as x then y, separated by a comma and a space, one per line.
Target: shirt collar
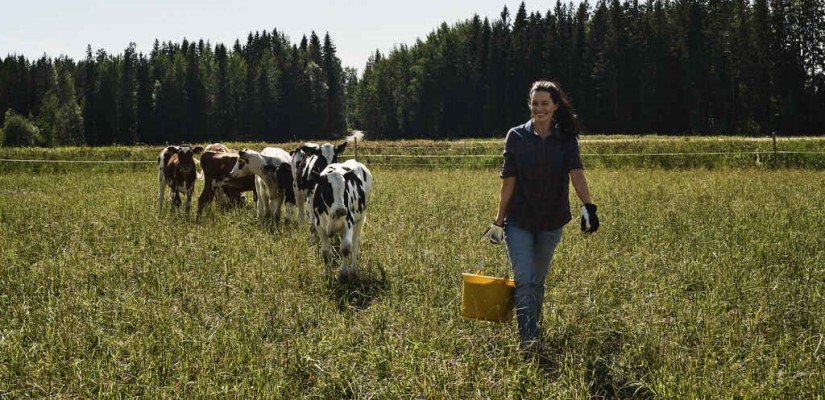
554, 128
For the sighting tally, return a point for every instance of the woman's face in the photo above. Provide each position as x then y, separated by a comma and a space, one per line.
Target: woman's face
542, 106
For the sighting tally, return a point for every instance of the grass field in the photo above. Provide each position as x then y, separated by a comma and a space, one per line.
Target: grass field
701, 283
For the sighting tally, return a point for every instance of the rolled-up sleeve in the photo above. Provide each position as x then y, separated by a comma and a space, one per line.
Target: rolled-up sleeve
572, 158
508, 168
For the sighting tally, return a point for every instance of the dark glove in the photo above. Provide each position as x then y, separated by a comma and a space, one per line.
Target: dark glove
495, 234
590, 220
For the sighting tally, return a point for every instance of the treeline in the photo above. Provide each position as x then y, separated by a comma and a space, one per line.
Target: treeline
667, 67
266, 90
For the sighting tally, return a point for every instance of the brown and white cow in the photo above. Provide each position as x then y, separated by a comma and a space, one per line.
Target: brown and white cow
339, 206
176, 169
217, 148
217, 162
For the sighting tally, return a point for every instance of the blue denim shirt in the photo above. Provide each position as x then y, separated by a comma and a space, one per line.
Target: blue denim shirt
540, 201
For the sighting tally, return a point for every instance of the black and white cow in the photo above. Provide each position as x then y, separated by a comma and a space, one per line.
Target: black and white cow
339, 205
308, 159
273, 180
176, 169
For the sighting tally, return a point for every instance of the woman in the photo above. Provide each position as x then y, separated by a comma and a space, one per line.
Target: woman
541, 157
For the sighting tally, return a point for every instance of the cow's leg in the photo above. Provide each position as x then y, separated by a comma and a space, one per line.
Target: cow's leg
289, 207
346, 248
300, 200
226, 199
161, 190
263, 200
326, 249
217, 190
205, 197
276, 207
189, 193
310, 193
356, 242
313, 224
273, 205
314, 218
176, 200
234, 198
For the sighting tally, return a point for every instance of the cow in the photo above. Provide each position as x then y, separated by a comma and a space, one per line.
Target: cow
339, 205
273, 180
217, 162
308, 159
217, 148
176, 169
298, 161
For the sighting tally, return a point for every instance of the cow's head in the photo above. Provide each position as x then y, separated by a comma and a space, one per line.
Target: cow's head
297, 157
186, 157
309, 148
327, 152
241, 167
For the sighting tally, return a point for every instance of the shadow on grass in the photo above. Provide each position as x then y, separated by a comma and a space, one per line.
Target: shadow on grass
357, 292
604, 381
604, 384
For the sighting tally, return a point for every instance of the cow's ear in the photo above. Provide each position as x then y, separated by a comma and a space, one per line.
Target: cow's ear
197, 150
242, 153
171, 149
340, 148
310, 149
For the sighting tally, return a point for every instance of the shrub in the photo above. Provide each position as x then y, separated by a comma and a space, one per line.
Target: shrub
19, 131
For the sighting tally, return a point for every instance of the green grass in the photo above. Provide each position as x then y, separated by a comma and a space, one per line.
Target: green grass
700, 284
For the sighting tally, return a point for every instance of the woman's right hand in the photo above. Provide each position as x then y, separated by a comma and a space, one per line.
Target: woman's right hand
494, 233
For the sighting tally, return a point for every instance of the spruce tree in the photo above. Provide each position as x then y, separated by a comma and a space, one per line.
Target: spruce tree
127, 97
334, 107
145, 84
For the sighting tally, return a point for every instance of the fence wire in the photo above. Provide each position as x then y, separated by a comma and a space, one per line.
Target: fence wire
437, 156
78, 161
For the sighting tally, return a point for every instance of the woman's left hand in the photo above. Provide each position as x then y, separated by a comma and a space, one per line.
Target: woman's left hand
590, 220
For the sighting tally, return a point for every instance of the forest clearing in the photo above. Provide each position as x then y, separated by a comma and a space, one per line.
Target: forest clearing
706, 280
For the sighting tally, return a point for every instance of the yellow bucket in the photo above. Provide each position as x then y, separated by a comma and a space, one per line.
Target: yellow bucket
487, 298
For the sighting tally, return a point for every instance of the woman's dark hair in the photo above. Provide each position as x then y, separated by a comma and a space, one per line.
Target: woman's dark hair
565, 115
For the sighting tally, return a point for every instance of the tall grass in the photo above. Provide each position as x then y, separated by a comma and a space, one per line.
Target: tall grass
597, 151
700, 284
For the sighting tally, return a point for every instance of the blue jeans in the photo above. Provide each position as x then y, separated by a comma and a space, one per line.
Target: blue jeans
530, 253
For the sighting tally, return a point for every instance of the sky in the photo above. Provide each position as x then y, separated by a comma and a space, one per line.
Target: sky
357, 27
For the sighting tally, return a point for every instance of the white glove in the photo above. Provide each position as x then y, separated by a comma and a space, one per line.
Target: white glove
495, 234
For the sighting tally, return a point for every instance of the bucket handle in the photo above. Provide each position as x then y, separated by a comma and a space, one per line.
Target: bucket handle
506, 252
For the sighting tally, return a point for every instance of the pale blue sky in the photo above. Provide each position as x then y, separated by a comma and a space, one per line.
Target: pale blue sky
357, 27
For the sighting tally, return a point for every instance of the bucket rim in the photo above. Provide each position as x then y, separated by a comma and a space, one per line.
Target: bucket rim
486, 279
